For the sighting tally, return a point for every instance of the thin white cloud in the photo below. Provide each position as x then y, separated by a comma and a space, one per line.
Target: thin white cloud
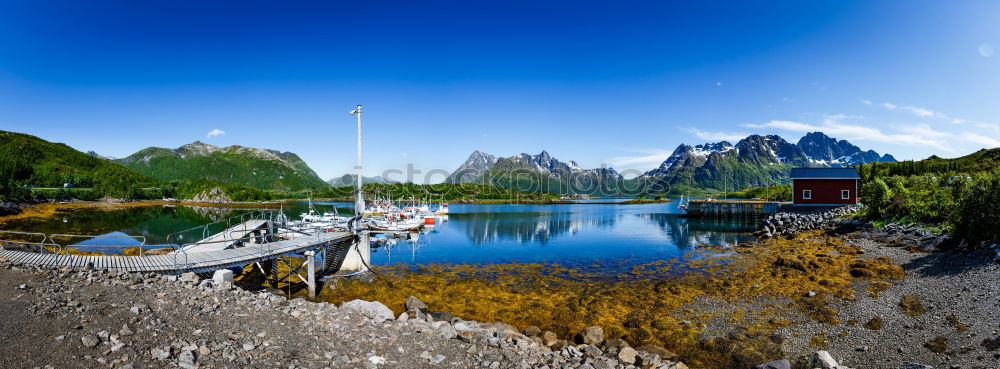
923, 113
215, 132
910, 135
915, 110
988, 142
718, 135
647, 159
990, 126
866, 102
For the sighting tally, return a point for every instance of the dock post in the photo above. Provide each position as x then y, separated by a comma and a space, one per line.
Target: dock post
311, 272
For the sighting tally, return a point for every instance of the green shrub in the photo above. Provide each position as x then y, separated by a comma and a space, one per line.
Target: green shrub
975, 217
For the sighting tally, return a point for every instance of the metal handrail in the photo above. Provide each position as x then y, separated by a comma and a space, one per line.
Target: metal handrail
66, 248
254, 214
46, 241
180, 254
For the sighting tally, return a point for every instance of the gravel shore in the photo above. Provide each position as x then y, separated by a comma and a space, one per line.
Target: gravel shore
99, 319
960, 328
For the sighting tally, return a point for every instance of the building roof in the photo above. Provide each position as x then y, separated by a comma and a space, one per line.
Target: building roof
825, 173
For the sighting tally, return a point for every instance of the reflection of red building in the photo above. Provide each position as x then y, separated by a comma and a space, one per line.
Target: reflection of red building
825, 186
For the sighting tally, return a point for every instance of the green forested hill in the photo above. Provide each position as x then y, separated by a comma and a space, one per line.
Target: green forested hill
954, 194
27, 160
983, 160
260, 168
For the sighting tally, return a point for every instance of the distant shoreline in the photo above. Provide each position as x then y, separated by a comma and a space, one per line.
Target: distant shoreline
44, 209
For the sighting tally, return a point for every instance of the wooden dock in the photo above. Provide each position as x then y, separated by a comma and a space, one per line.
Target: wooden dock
731, 208
180, 261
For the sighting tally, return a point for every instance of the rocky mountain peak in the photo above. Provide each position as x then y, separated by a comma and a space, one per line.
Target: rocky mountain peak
825, 150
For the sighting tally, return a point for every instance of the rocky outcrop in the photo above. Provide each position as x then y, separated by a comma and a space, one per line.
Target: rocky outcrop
215, 195
9, 208
910, 236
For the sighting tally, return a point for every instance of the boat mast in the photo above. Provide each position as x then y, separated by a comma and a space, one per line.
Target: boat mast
359, 202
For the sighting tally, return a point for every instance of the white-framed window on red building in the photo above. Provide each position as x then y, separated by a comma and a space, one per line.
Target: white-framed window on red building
807, 194
845, 194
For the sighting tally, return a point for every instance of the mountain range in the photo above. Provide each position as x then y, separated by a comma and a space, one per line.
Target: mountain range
535, 173
352, 180
260, 168
753, 161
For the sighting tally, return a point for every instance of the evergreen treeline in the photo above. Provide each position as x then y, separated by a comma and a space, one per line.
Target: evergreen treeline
434, 192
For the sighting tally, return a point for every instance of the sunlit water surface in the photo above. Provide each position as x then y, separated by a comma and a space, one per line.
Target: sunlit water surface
608, 237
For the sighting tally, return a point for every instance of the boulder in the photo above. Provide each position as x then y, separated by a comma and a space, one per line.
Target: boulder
413, 302
823, 360
447, 331
627, 355
186, 360
591, 351
371, 309
777, 364
90, 340
591, 336
559, 345
223, 278
189, 277
532, 331
659, 351
906, 365
416, 314
549, 338
442, 316
614, 345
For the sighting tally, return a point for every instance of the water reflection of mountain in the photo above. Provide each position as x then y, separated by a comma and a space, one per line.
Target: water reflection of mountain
526, 227
689, 232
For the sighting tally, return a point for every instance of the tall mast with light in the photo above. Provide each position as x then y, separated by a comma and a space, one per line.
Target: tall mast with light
359, 202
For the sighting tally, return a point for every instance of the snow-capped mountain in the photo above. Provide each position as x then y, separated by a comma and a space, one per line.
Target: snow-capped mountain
473, 167
754, 161
551, 174
825, 150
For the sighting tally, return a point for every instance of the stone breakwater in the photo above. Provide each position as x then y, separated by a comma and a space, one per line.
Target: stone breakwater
786, 223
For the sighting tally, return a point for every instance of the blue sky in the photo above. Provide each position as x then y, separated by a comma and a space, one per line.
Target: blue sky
603, 83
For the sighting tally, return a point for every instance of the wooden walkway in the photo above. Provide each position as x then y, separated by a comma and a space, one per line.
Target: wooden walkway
178, 262
227, 238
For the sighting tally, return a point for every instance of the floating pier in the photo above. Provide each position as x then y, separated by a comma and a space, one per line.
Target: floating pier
731, 208
245, 240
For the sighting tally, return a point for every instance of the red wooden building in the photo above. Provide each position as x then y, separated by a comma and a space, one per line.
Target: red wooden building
825, 186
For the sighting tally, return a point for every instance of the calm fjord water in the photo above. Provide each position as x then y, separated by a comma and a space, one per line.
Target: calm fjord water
577, 235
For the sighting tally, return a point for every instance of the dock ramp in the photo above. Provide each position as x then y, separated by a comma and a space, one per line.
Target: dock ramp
233, 237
